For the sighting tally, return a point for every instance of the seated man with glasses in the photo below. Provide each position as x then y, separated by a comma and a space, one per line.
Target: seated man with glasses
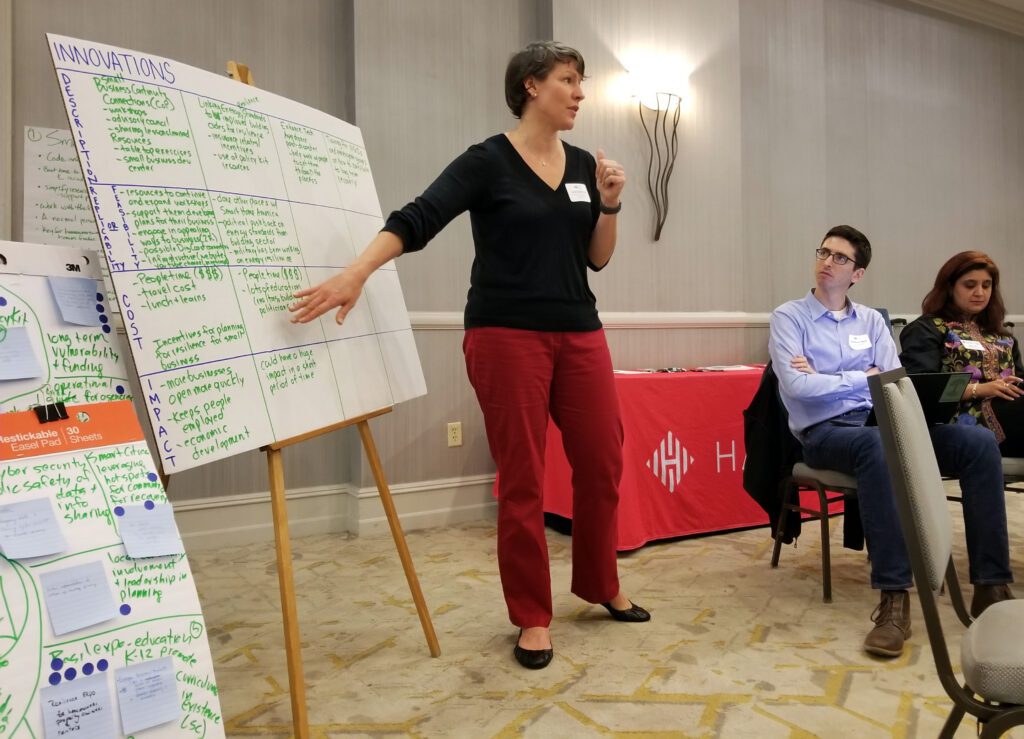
823, 348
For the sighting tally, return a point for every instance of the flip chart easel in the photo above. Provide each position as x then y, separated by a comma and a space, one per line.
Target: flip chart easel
279, 506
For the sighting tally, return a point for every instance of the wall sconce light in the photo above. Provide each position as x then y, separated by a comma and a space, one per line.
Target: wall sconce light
661, 110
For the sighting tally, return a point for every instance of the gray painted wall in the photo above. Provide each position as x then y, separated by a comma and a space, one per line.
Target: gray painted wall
901, 121
801, 114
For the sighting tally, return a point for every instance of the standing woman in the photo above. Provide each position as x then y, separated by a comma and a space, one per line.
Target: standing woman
542, 213
962, 331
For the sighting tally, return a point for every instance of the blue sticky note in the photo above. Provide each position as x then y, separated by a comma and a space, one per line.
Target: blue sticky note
80, 708
147, 694
149, 532
29, 528
17, 359
77, 597
76, 298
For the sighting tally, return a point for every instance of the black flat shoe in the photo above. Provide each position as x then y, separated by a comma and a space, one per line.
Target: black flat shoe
633, 614
532, 659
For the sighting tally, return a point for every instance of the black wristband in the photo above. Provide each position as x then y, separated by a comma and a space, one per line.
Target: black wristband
610, 211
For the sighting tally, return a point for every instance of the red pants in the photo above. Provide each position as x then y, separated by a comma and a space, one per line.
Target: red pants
521, 377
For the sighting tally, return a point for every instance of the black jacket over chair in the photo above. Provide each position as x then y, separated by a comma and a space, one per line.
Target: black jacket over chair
772, 450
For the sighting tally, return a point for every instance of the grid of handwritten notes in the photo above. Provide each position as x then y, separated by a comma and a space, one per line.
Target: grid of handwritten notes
216, 201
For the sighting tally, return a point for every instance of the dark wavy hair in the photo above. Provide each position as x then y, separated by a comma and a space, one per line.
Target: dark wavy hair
939, 302
535, 60
859, 242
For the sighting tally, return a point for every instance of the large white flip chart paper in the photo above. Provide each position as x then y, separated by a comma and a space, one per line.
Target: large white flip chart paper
81, 615
215, 201
76, 363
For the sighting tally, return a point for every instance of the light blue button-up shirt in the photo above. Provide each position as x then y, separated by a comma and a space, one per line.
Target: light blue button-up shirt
841, 352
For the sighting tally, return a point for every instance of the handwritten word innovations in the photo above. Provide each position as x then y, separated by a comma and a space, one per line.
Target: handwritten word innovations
111, 61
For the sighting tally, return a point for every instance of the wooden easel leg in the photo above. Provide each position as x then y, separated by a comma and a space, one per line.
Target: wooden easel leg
399, 537
293, 646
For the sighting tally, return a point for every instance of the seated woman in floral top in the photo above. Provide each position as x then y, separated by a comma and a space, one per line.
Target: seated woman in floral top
962, 331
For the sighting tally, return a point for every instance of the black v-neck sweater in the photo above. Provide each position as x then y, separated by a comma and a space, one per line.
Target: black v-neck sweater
530, 268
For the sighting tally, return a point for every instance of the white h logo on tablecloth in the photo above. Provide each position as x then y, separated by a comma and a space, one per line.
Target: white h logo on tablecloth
670, 462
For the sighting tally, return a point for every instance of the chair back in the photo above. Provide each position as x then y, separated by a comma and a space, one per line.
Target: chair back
884, 312
897, 326
917, 483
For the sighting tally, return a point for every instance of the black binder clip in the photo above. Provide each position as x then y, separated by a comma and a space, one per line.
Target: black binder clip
51, 412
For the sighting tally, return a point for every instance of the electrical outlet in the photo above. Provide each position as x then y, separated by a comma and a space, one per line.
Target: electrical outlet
455, 433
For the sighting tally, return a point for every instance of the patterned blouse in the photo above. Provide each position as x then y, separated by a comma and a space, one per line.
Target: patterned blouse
930, 344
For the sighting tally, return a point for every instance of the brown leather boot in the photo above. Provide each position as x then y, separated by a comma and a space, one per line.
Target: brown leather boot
986, 595
892, 624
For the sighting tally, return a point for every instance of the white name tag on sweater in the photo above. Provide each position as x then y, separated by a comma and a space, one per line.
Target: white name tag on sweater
860, 341
577, 192
973, 345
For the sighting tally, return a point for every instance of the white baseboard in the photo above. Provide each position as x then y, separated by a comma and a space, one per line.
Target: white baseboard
212, 523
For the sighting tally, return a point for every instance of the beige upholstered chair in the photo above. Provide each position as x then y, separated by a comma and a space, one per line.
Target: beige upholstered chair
823, 482
992, 650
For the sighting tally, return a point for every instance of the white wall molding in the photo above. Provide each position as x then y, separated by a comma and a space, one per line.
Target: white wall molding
232, 520
449, 320
452, 320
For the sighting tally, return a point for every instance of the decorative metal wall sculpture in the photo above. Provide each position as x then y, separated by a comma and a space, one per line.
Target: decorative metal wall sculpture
664, 145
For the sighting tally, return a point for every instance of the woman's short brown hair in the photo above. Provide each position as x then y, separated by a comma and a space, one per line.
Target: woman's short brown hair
536, 60
939, 302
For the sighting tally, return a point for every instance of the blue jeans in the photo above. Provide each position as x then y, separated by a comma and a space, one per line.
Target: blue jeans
969, 453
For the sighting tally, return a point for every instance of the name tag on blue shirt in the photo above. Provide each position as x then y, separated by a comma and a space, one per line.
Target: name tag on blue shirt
860, 341
577, 192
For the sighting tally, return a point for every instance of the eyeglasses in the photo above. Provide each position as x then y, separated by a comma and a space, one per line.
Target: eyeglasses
838, 259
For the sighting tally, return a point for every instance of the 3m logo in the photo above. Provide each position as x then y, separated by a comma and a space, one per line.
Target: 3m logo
670, 462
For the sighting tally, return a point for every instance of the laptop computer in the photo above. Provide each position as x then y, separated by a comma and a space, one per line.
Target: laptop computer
939, 393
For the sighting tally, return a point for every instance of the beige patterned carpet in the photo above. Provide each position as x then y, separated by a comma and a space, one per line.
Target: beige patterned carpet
735, 648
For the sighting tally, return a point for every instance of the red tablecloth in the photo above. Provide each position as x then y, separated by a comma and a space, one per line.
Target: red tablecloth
683, 454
